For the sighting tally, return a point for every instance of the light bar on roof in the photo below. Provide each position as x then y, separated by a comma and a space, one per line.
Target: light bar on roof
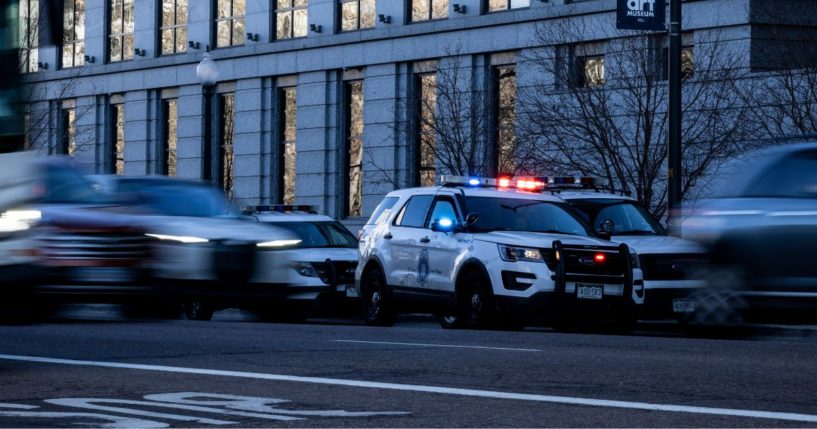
529, 184
476, 182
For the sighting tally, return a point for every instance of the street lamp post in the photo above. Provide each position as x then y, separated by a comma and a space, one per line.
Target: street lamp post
207, 72
675, 115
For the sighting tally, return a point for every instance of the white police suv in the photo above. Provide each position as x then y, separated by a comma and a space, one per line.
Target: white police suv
321, 269
481, 252
668, 263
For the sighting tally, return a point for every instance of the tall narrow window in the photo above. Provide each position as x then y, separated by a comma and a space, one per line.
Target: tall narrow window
505, 117
29, 35
590, 72
67, 141
289, 109
117, 148
170, 118
290, 19
174, 26
27, 131
426, 151
498, 5
424, 10
230, 23
354, 144
121, 30
225, 156
357, 14
73, 33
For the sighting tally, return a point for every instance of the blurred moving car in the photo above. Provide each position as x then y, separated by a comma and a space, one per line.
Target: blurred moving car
205, 250
668, 263
321, 270
761, 236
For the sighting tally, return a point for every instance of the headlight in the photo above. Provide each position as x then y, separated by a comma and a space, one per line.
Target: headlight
279, 243
18, 220
636, 261
305, 269
179, 238
520, 254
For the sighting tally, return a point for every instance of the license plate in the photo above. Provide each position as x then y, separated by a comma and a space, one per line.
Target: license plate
681, 306
102, 275
351, 292
589, 291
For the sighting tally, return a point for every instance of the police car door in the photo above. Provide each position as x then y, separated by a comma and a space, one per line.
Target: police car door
407, 233
442, 248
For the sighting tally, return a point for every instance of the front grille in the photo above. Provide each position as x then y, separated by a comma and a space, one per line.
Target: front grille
76, 247
580, 264
670, 266
336, 272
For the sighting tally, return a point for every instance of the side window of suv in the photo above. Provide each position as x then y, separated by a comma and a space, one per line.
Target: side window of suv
793, 177
413, 214
443, 208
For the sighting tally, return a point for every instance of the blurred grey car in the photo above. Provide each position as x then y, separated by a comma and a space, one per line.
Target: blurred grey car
761, 236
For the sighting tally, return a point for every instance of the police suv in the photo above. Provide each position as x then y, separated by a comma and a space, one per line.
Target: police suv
482, 252
322, 266
668, 263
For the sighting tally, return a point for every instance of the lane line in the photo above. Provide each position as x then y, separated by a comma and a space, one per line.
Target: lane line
452, 346
566, 400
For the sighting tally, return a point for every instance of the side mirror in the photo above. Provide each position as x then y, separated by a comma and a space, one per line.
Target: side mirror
606, 230
443, 225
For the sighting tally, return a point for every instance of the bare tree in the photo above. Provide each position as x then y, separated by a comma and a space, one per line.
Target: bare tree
601, 110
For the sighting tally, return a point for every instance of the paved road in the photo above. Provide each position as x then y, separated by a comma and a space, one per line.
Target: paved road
97, 369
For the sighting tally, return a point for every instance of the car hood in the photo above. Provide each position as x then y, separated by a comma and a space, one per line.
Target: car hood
212, 228
322, 254
537, 239
658, 244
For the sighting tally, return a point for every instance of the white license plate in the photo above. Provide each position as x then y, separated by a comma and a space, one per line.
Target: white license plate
351, 292
681, 306
589, 291
102, 275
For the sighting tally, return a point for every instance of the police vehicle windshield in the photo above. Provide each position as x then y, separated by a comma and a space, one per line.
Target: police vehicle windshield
515, 214
628, 217
321, 234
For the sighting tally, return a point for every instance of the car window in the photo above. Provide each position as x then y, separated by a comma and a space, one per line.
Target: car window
514, 214
67, 186
320, 234
181, 199
414, 212
793, 177
339, 236
382, 211
628, 217
443, 208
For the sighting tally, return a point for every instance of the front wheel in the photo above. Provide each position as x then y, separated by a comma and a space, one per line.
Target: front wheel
378, 307
475, 304
195, 309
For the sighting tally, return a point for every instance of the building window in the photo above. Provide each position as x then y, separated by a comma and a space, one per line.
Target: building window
426, 150
225, 155
174, 26
29, 35
230, 23
73, 33
27, 131
424, 10
354, 145
289, 109
121, 30
357, 14
590, 71
504, 85
67, 142
499, 5
290, 19
687, 63
117, 149
170, 118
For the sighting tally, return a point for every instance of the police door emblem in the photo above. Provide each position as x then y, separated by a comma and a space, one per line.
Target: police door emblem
422, 268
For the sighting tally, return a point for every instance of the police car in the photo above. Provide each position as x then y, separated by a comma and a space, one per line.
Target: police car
668, 263
322, 266
485, 252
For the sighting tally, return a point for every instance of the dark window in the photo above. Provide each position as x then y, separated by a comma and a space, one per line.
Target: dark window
382, 210
289, 109
173, 28
514, 214
170, 118
414, 212
117, 145
320, 234
426, 139
505, 118
68, 186
443, 208
354, 145
175, 199
29, 35
629, 218
225, 155
424, 10
120, 30
67, 141
356, 14
73, 33
793, 177
230, 23
498, 5
590, 71
290, 19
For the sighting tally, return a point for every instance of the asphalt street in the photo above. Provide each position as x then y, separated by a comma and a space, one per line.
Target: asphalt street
94, 368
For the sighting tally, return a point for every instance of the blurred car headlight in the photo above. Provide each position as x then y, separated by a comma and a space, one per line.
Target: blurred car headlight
305, 269
520, 254
179, 238
279, 243
18, 220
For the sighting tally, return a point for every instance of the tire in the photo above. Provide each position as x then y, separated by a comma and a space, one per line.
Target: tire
198, 310
475, 304
377, 301
720, 304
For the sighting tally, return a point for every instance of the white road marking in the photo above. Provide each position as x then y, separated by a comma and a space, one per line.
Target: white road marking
88, 419
566, 400
452, 346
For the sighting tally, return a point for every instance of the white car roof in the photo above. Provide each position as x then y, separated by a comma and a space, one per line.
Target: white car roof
290, 217
477, 192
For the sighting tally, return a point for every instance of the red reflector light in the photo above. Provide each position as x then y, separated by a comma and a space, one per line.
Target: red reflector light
600, 257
